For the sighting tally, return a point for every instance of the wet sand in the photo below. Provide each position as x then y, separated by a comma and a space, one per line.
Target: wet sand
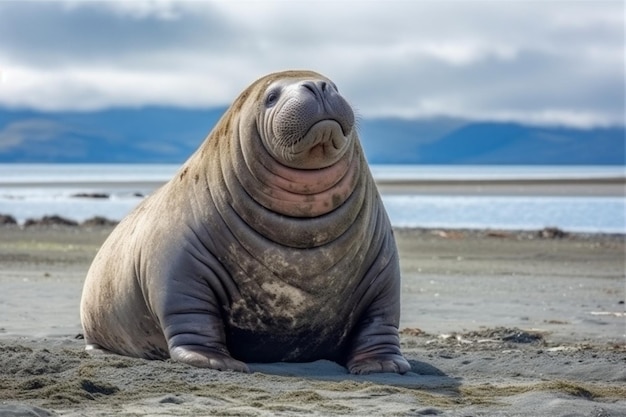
493, 323
575, 187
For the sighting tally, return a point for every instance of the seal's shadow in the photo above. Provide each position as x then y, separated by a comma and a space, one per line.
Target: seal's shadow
422, 375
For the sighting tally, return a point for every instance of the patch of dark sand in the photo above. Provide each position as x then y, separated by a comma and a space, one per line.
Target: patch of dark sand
422, 375
30, 248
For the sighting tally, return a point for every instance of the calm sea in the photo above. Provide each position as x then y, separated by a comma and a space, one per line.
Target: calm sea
35, 190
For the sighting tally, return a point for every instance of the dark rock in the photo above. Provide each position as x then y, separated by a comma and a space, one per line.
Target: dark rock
91, 195
98, 221
552, 233
50, 221
7, 219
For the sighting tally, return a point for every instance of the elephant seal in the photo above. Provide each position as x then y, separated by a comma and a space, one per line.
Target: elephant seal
270, 244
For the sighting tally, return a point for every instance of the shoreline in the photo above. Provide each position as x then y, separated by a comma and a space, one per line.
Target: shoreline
56, 222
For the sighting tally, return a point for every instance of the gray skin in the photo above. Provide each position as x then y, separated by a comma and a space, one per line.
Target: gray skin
270, 244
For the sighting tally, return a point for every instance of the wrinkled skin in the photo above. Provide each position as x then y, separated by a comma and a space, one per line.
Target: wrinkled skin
270, 244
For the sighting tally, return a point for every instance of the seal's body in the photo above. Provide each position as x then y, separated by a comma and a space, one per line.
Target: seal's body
270, 244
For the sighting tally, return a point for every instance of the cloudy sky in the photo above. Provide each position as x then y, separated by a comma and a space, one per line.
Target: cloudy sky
545, 62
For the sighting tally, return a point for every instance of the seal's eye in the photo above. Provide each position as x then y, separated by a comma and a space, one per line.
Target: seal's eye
271, 98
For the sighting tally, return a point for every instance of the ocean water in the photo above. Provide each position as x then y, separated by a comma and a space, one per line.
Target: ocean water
33, 191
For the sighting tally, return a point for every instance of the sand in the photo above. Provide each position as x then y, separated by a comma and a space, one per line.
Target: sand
493, 324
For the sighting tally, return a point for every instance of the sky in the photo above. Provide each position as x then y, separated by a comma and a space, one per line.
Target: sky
540, 62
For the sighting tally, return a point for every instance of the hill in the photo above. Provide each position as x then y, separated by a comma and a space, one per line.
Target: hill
170, 135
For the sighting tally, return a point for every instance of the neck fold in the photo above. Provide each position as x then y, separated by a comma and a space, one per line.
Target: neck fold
296, 208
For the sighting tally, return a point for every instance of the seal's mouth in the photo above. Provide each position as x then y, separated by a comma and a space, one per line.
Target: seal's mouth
345, 129
327, 135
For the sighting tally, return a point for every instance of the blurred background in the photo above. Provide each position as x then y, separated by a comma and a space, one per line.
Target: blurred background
460, 93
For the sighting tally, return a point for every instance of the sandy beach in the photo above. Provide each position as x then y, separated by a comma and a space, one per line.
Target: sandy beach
493, 323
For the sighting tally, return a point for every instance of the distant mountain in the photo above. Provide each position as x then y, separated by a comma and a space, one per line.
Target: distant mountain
170, 135
509, 143
454, 141
154, 134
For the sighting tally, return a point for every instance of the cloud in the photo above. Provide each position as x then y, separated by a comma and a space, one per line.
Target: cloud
555, 62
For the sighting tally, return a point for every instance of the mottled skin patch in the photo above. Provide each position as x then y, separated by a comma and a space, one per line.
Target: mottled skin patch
270, 244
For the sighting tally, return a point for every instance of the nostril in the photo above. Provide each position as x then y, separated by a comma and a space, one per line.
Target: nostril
309, 86
316, 87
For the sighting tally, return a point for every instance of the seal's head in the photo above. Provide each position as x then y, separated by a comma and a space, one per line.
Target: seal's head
289, 140
304, 122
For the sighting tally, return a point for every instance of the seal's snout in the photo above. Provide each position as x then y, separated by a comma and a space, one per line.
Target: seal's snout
331, 104
307, 124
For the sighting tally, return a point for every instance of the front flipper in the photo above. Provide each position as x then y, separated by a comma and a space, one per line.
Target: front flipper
375, 344
195, 335
376, 349
193, 325
198, 339
206, 358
